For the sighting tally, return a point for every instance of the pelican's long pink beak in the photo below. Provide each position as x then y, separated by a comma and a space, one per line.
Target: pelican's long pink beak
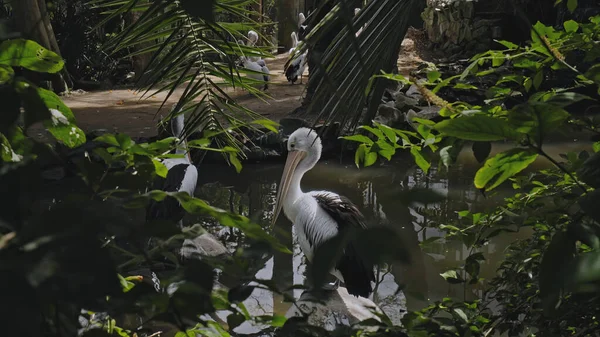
293, 159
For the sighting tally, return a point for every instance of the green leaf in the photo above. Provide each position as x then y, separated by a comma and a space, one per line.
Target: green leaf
596, 147
461, 314
464, 86
6, 73
267, 123
433, 76
537, 119
452, 277
370, 158
472, 265
419, 159
478, 128
507, 44
481, 150
160, 168
35, 108
502, 166
233, 159
108, 139
538, 78
593, 73
62, 121
278, 321
30, 55
571, 26
359, 155
571, 5
359, 138
6, 152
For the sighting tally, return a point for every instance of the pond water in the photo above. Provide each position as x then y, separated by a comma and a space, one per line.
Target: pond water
375, 191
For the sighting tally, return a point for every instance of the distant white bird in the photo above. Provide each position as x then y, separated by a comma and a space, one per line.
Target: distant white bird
301, 19
182, 176
252, 37
356, 11
318, 216
296, 68
294, 43
301, 26
260, 67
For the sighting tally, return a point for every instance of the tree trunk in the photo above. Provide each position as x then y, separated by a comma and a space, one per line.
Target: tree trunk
258, 8
287, 15
140, 61
32, 21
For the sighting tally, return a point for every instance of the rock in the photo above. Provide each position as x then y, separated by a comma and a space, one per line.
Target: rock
334, 309
413, 92
404, 102
203, 245
429, 112
389, 115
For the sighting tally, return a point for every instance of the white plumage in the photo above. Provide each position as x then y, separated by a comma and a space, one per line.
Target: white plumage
252, 37
294, 43
301, 19
257, 66
321, 215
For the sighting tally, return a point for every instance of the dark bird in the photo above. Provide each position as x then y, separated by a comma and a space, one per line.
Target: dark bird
321, 215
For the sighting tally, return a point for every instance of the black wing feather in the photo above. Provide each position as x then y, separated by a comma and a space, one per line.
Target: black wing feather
169, 208
357, 272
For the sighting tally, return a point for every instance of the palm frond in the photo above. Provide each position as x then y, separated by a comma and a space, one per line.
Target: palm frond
340, 75
191, 52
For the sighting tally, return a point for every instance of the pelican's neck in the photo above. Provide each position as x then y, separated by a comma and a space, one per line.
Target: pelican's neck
183, 149
294, 39
304, 166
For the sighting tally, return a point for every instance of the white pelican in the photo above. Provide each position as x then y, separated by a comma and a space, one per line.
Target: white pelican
252, 37
301, 26
294, 43
258, 66
296, 68
321, 215
356, 11
182, 176
301, 19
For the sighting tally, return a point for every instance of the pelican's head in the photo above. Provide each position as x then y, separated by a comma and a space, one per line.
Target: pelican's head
304, 150
301, 18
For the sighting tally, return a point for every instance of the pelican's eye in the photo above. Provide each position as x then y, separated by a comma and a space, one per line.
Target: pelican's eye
292, 145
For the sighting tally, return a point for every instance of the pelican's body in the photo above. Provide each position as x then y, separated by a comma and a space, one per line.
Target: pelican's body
182, 176
321, 215
296, 68
257, 66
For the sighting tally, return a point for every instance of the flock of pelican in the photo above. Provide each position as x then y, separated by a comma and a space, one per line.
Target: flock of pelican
316, 215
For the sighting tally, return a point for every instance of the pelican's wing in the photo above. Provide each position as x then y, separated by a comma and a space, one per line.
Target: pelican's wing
357, 272
168, 208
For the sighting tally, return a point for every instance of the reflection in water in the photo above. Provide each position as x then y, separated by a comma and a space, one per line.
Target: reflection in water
375, 191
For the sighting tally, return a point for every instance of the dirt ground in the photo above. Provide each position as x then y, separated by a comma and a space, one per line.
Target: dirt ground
121, 110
